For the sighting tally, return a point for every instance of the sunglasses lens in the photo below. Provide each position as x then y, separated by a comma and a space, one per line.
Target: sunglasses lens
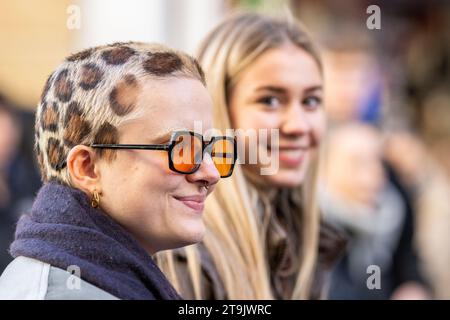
187, 153
223, 155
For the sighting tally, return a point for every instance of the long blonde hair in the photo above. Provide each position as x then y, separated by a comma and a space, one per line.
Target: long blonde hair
234, 239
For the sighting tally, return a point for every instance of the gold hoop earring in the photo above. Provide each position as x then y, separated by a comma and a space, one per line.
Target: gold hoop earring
95, 199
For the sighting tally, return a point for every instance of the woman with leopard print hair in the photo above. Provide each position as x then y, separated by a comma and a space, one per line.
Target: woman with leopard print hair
124, 173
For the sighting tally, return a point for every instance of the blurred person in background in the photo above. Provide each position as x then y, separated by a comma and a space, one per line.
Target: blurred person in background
354, 84
19, 179
429, 186
264, 239
358, 194
360, 89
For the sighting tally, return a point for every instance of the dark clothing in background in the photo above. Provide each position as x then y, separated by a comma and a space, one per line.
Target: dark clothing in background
23, 181
403, 266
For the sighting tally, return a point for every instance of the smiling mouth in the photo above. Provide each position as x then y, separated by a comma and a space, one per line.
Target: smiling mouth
196, 203
291, 156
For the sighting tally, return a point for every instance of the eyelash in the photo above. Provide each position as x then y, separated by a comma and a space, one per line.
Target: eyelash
305, 102
267, 101
318, 102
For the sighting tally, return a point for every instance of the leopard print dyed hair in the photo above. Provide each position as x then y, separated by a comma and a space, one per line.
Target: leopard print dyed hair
93, 92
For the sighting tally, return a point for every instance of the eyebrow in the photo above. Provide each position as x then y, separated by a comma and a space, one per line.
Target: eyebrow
314, 88
163, 135
271, 88
281, 90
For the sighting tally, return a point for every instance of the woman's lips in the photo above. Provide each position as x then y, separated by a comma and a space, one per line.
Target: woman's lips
291, 157
197, 203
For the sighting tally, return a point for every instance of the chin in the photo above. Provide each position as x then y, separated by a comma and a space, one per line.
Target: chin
286, 179
192, 235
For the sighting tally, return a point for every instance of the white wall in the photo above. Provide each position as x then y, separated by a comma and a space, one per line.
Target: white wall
178, 23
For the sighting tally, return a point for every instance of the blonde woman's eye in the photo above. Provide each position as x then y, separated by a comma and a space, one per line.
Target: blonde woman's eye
270, 101
312, 102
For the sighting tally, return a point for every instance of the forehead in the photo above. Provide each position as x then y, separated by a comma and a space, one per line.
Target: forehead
287, 66
172, 104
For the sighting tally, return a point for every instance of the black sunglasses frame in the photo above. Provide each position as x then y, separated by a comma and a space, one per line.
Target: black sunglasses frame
206, 146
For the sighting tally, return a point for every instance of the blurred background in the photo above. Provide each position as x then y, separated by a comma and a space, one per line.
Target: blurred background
385, 178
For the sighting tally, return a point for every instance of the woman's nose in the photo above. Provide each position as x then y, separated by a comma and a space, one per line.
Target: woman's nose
207, 172
296, 121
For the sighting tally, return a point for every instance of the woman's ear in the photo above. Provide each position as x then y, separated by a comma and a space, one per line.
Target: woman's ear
82, 164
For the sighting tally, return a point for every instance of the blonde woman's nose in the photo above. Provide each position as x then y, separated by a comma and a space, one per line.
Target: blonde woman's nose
296, 121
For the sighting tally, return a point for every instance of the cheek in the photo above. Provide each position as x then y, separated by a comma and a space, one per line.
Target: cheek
244, 115
318, 125
252, 118
136, 172
137, 197
147, 161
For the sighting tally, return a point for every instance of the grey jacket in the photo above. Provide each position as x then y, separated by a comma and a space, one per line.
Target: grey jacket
31, 279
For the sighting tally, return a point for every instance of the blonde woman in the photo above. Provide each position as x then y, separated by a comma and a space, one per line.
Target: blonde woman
125, 175
262, 239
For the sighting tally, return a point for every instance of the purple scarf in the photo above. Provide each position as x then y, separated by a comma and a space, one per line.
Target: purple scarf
63, 230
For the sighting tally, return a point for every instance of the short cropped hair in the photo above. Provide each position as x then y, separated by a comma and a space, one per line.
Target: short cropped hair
93, 92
